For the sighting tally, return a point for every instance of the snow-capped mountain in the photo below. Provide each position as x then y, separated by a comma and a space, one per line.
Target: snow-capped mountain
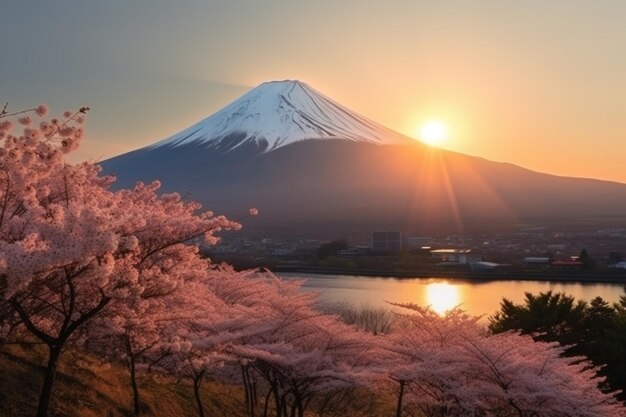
313, 166
279, 113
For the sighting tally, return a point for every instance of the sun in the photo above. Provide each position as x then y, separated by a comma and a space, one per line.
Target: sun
442, 296
433, 133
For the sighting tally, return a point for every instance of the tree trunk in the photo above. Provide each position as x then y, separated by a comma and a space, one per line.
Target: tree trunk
55, 344
297, 405
197, 380
48, 382
283, 404
253, 394
133, 383
267, 402
277, 400
300, 407
248, 391
293, 410
400, 397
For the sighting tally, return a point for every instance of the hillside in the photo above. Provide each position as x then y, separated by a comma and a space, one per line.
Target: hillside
343, 187
87, 389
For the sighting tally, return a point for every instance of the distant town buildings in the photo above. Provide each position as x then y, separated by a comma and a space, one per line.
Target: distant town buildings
456, 256
524, 249
567, 264
619, 265
537, 261
387, 242
484, 266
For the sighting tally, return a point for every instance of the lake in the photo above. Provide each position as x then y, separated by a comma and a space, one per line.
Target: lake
477, 298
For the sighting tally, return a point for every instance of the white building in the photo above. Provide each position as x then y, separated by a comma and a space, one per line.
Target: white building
456, 256
484, 266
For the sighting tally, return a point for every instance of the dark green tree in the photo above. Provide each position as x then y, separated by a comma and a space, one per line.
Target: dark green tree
587, 261
329, 249
596, 330
553, 317
615, 345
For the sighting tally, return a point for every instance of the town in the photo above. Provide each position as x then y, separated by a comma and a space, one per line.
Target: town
529, 251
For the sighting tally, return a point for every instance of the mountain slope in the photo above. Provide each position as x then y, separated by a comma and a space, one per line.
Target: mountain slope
308, 179
280, 113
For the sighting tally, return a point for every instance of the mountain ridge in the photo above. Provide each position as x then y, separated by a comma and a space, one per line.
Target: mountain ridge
342, 185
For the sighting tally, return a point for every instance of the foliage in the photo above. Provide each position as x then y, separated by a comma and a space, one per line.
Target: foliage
556, 317
587, 261
71, 248
596, 329
449, 366
376, 320
329, 249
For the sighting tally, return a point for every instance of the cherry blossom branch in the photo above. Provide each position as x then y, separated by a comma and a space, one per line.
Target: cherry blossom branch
41, 110
4, 113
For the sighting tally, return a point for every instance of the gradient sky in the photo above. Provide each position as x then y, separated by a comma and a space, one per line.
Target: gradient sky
536, 83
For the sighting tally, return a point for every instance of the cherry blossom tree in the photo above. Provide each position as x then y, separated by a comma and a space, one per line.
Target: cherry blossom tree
417, 350
69, 246
451, 366
182, 331
147, 326
300, 352
207, 350
515, 376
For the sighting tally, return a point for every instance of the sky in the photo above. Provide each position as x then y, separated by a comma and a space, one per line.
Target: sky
535, 83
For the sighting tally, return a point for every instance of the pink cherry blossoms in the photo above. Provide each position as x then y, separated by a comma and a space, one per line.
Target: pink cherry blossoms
70, 247
451, 366
119, 274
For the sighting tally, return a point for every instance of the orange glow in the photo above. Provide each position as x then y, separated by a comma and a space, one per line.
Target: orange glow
442, 296
442, 180
433, 133
434, 196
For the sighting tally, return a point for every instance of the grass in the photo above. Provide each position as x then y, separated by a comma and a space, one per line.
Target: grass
86, 388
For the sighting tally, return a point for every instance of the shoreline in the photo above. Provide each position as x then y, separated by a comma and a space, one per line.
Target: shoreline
482, 276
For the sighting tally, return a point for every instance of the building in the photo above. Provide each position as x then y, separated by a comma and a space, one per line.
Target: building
537, 261
456, 256
281, 251
386, 241
417, 242
567, 264
483, 266
356, 252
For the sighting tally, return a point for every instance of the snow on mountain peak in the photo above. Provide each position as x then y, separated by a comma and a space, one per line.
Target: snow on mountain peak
278, 113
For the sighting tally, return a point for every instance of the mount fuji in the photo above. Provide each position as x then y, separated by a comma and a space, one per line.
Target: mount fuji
280, 113
312, 166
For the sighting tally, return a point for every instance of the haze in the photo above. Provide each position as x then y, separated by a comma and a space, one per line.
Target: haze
541, 85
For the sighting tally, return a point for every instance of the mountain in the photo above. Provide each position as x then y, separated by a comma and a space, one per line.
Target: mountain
313, 166
280, 113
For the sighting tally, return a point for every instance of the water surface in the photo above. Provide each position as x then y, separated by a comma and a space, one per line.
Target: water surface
477, 298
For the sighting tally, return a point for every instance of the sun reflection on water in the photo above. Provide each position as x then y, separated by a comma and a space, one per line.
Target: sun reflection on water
442, 296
